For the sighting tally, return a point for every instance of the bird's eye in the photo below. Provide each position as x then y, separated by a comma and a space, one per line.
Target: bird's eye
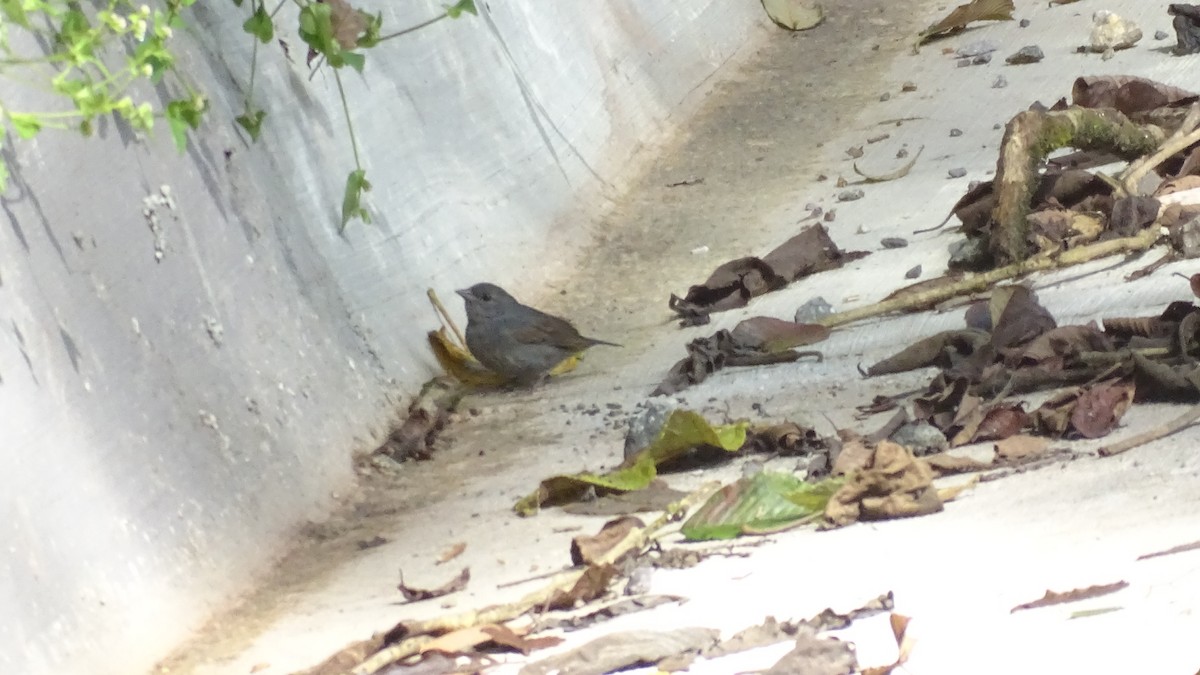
485, 296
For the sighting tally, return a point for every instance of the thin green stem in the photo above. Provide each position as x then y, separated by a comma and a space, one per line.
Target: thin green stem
349, 125
253, 72
410, 29
278, 7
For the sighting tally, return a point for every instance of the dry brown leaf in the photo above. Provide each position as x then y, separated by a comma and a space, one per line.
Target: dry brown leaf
591, 584
976, 10
1056, 598
1020, 447
507, 637
1128, 94
1182, 548
348, 23
775, 335
1100, 407
894, 485
1001, 421
452, 552
899, 624
945, 465
466, 640
587, 549
856, 454
1177, 185
417, 594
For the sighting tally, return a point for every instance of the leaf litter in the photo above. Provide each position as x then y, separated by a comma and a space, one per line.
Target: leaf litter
1008, 347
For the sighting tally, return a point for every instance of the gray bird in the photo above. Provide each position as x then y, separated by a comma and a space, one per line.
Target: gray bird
516, 341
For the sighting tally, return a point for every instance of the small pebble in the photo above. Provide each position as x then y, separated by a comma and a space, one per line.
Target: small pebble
902, 153
1161, 35
813, 310
885, 96
1024, 23
893, 242
981, 59
955, 133
1026, 54
880, 137
957, 172
850, 195
963, 63
908, 86
976, 48
855, 151
700, 250
922, 438
997, 125
913, 273
1000, 82
829, 216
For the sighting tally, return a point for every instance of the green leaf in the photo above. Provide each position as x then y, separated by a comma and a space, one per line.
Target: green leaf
183, 114
684, 430
260, 25
370, 36
316, 29
352, 59
680, 432
27, 125
766, 502
564, 489
251, 121
153, 51
456, 10
356, 185
14, 11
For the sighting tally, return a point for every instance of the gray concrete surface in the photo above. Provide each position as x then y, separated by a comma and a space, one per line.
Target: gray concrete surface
167, 424
760, 141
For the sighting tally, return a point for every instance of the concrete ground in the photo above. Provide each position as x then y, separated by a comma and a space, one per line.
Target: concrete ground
784, 114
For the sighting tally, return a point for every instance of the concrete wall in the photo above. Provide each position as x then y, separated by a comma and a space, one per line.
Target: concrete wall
166, 421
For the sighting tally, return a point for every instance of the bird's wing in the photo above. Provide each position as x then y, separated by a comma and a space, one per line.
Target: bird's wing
547, 330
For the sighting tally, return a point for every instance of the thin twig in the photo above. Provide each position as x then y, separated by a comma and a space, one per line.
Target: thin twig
1187, 134
445, 317
1162, 431
978, 282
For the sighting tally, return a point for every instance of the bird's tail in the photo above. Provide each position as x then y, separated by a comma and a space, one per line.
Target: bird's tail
593, 342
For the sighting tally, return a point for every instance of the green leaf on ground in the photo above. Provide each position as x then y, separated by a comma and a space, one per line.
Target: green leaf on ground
766, 502
682, 431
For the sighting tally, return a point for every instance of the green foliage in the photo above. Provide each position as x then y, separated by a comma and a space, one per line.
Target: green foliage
356, 185
96, 60
102, 56
461, 6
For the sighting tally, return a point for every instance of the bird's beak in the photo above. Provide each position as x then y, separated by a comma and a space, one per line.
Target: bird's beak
465, 292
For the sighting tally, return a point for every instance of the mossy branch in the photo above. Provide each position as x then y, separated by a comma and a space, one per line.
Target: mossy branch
1029, 138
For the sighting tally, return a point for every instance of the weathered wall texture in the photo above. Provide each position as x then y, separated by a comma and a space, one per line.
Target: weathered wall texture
165, 422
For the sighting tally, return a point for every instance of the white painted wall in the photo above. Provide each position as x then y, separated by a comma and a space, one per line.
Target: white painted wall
164, 424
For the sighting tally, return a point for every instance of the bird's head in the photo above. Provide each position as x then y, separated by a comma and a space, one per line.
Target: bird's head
485, 300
